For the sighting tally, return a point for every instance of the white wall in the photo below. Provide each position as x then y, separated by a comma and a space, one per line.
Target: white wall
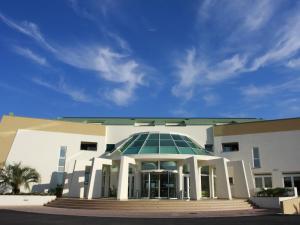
202, 134
279, 152
41, 149
25, 200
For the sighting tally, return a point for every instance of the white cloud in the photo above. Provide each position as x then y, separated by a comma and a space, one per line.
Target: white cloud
193, 71
112, 66
294, 63
253, 92
28, 28
31, 55
61, 87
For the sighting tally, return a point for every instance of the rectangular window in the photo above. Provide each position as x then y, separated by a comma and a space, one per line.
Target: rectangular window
209, 147
288, 182
88, 146
230, 147
263, 182
231, 180
258, 182
110, 147
256, 157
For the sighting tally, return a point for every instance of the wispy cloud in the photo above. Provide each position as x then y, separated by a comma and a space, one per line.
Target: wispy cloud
294, 63
116, 67
29, 29
26, 52
253, 92
196, 69
76, 94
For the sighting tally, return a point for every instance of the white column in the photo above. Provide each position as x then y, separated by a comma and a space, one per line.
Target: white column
180, 179
137, 181
240, 183
123, 177
194, 178
95, 184
211, 182
277, 179
222, 180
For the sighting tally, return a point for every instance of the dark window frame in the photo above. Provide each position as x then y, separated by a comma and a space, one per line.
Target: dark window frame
88, 146
231, 145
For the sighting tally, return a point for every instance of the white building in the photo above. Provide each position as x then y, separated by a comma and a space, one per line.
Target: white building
155, 157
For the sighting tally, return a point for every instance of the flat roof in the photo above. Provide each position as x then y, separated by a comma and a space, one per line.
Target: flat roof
158, 120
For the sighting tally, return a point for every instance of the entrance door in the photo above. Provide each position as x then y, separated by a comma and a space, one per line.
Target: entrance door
168, 185
186, 186
154, 185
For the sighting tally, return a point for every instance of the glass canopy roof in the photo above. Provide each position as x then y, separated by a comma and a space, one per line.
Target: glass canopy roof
161, 143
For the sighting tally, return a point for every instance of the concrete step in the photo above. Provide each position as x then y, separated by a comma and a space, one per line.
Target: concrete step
152, 205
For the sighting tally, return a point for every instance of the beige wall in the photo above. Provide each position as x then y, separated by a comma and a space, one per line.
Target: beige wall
11, 124
257, 127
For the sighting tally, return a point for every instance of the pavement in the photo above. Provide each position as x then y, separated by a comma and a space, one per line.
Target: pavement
13, 217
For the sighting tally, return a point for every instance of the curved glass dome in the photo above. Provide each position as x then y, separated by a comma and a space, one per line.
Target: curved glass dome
161, 143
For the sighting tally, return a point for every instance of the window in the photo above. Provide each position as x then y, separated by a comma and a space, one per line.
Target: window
263, 182
231, 180
110, 147
230, 147
88, 146
288, 182
87, 174
209, 147
61, 164
256, 157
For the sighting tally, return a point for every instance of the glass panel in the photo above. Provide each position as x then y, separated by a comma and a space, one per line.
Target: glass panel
258, 182
61, 162
145, 185
168, 150
297, 183
149, 165
186, 151
154, 181
186, 168
168, 165
191, 144
165, 136
205, 170
61, 169
181, 144
268, 182
167, 143
149, 150
176, 137
288, 182
205, 186
153, 136
63, 150
255, 152
142, 137
172, 185
256, 163
186, 138
137, 144
152, 143
132, 150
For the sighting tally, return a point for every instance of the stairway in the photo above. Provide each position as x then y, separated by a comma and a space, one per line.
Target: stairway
152, 205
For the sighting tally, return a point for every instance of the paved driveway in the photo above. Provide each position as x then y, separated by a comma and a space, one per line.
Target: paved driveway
10, 217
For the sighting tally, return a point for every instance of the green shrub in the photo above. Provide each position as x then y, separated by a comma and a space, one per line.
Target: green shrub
274, 192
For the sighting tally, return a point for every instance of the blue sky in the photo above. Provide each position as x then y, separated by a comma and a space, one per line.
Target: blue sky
150, 58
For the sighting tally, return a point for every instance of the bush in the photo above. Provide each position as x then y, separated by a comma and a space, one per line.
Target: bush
274, 192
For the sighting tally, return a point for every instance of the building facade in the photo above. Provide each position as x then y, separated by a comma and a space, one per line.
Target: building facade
155, 158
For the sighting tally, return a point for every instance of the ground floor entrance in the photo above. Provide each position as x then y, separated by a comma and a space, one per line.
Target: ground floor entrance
159, 185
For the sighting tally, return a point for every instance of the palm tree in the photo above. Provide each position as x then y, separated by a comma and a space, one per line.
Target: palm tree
14, 176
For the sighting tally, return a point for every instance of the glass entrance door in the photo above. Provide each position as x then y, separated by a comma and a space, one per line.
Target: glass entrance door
159, 185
